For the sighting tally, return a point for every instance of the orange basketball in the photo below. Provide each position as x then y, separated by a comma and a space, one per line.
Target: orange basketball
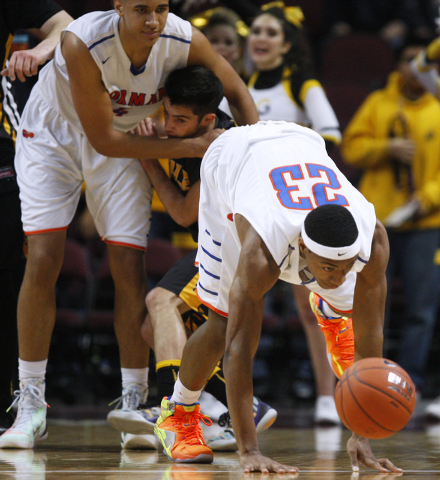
375, 398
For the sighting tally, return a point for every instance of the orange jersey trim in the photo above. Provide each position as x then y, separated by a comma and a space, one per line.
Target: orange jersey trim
216, 310
47, 231
129, 245
347, 313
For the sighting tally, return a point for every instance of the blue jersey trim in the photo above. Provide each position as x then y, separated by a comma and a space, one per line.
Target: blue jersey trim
211, 255
206, 290
93, 45
176, 38
209, 273
135, 71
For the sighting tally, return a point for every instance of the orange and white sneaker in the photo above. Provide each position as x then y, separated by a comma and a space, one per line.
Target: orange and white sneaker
179, 431
339, 336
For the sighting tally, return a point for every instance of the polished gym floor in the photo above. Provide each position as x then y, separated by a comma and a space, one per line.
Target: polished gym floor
89, 450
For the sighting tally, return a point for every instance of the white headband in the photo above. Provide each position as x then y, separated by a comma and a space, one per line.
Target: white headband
333, 253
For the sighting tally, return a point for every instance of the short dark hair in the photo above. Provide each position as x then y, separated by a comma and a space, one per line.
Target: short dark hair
331, 226
196, 87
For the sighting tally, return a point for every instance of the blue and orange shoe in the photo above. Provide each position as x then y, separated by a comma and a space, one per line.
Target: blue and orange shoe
179, 431
339, 336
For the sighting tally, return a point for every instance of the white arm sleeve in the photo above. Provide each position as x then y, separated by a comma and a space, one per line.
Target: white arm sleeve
321, 114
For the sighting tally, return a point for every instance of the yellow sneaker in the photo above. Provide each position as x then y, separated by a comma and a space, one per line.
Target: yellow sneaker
339, 336
179, 431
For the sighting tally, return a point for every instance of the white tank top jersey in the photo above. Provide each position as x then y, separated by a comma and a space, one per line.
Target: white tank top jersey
135, 94
282, 181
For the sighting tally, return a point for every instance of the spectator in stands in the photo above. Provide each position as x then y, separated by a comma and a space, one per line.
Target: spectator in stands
395, 139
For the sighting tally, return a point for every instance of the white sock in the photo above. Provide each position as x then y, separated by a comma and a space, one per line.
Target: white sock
182, 395
28, 370
134, 375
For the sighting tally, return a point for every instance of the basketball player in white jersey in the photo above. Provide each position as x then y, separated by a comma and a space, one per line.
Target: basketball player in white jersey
273, 205
107, 75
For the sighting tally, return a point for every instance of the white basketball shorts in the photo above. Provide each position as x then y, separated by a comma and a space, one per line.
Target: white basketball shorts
52, 161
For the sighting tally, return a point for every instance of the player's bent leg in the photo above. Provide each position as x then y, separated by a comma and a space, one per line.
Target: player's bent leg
164, 310
325, 408
178, 430
339, 336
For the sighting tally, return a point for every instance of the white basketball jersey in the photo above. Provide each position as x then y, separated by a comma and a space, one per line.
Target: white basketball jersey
135, 94
274, 174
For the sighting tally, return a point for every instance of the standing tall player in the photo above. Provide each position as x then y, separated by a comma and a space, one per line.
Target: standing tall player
107, 75
48, 17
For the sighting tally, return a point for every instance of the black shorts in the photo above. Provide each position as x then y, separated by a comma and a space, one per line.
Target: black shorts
182, 280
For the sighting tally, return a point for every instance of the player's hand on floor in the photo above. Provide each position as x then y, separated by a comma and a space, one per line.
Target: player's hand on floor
255, 462
359, 450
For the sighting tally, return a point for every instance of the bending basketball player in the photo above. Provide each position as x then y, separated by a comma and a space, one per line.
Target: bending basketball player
274, 205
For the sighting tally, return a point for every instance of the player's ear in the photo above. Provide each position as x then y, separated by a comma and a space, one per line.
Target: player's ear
118, 4
207, 119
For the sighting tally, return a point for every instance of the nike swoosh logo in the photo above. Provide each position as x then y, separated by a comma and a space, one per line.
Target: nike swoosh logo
106, 60
340, 254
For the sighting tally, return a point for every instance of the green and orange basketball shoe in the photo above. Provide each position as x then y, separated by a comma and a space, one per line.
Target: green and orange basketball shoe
339, 336
179, 431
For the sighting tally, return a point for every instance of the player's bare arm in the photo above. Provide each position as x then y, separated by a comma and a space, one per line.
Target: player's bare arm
368, 318
25, 63
184, 209
236, 91
256, 273
93, 106
369, 299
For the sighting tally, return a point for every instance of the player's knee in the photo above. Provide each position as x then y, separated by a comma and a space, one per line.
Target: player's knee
158, 298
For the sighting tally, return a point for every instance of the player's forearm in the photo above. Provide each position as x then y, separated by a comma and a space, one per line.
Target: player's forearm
243, 107
125, 145
51, 30
172, 198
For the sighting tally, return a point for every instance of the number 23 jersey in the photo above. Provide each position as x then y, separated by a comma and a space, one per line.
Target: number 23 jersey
274, 174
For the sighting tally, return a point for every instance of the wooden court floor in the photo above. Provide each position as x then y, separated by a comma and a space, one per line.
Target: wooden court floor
89, 450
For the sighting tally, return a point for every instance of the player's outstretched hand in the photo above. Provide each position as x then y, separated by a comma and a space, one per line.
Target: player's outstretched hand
359, 450
255, 462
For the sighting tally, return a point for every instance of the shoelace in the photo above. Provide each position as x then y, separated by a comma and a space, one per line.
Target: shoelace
131, 398
27, 408
189, 426
225, 420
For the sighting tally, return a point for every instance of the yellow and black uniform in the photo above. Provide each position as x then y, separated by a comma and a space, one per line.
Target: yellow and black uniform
384, 182
294, 95
182, 278
14, 15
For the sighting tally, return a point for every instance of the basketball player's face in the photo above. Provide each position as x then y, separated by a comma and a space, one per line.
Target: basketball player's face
181, 121
329, 274
266, 42
142, 20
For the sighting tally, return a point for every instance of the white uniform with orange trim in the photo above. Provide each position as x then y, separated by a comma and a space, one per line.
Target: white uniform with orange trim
53, 155
273, 174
